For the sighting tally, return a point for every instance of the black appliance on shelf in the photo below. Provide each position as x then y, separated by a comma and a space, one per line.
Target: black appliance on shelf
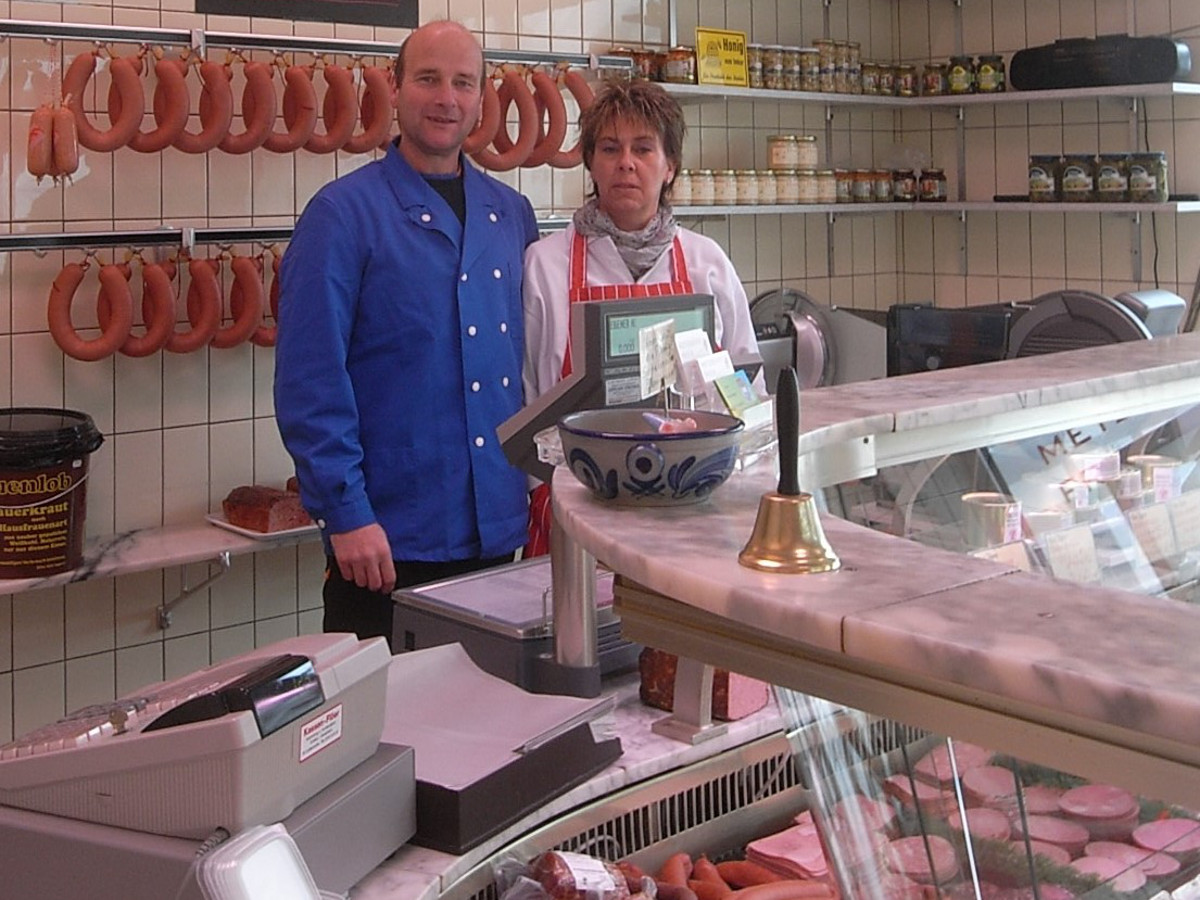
922, 338
1110, 59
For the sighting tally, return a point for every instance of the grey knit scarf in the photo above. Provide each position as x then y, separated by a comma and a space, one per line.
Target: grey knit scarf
640, 249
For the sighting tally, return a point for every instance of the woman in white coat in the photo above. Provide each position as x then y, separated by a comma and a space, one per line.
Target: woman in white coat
624, 242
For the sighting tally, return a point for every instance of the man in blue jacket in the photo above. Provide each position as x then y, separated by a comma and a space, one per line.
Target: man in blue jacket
400, 345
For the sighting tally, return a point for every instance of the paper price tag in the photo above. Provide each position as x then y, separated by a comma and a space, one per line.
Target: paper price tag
1185, 516
1071, 554
1152, 527
656, 357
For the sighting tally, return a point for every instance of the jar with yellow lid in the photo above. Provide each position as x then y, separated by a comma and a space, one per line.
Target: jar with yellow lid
767, 188
826, 186
792, 151
725, 191
747, 187
809, 191
787, 186
703, 187
681, 189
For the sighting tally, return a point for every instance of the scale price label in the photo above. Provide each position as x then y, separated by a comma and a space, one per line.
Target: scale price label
656, 357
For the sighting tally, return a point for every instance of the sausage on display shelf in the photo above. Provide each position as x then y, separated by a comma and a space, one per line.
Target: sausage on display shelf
126, 82
549, 99
248, 277
39, 151
258, 114
513, 89
158, 308
489, 120
247, 280
339, 111
299, 111
581, 92
65, 143
203, 308
58, 313
169, 104
374, 111
216, 109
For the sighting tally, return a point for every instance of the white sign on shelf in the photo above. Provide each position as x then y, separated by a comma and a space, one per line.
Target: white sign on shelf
656, 358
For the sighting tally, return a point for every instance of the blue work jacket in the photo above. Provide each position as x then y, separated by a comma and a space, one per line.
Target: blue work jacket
399, 351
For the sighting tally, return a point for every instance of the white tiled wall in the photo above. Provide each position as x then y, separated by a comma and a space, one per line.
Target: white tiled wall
184, 429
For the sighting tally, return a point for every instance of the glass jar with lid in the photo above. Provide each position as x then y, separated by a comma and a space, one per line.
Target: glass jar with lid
881, 187
773, 67
810, 69
680, 65
703, 187
792, 151
1148, 177
725, 191
854, 66
827, 59
935, 80
933, 186
845, 185
1044, 177
747, 187
787, 186
681, 188
961, 75
887, 80
990, 74
791, 68
870, 77
904, 185
1112, 177
1077, 183
841, 67
754, 65
826, 186
862, 189
906, 81
767, 187
809, 190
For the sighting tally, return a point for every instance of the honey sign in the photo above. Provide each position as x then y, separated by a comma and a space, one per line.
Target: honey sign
721, 57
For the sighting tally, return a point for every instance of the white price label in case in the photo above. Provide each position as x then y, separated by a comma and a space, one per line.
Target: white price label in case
1185, 516
1071, 554
656, 357
1152, 527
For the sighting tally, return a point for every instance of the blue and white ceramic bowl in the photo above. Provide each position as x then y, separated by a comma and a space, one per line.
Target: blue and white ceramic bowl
620, 455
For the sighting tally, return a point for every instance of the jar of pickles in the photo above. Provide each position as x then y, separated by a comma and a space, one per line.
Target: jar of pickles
961, 75
773, 67
787, 186
1043, 177
747, 187
990, 77
1148, 177
1112, 177
725, 187
1078, 180
810, 69
791, 68
754, 65
703, 187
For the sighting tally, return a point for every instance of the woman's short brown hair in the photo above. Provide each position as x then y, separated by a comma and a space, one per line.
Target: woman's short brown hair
634, 100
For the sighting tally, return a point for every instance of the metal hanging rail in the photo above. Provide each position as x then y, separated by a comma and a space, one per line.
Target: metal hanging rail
198, 39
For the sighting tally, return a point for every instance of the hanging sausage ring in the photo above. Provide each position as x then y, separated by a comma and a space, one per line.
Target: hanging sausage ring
203, 308
263, 335
58, 313
550, 100
126, 82
158, 308
582, 93
170, 106
512, 90
375, 111
247, 316
339, 111
216, 109
489, 120
258, 109
299, 109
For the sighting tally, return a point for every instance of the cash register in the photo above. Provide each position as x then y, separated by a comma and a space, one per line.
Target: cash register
120, 799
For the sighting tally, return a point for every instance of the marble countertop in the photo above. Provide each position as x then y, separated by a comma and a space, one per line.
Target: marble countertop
415, 873
156, 548
1099, 667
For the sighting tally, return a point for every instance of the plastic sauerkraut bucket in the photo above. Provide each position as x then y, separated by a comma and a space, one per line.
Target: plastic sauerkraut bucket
43, 489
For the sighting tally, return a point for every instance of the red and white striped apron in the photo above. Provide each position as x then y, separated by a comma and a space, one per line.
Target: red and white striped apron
580, 292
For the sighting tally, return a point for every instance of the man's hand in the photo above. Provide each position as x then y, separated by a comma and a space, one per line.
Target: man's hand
364, 557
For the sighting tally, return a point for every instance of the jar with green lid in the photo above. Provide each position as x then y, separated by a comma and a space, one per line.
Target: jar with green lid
810, 69
754, 65
1112, 177
747, 187
935, 80
1078, 181
906, 81
1148, 177
990, 77
703, 187
1044, 177
961, 75
725, 189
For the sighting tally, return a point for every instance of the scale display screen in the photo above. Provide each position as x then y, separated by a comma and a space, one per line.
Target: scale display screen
622, 328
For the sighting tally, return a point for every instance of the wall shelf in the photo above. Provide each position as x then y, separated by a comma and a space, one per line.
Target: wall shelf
837, 209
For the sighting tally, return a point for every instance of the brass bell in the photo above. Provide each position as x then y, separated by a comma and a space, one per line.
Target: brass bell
788, 537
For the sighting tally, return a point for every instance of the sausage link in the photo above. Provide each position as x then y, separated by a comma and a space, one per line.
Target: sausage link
216, 110
708, 890
169, 105
158, 309
203, 309
676, 869
246, 319
264, 335
513, 90
58, 313
339, 111
39, 152
489, 121
584, 97
375, 111
546, 90
299, 111
65, 142
258, 114
740, 873
126, 81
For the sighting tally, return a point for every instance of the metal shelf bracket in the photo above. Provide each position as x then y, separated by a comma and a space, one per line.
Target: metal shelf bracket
164, 612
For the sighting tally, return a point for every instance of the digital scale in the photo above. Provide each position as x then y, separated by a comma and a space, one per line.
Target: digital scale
605, 370
502, 617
